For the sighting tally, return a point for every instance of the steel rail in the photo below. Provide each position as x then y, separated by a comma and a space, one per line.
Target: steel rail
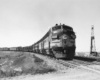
76, 64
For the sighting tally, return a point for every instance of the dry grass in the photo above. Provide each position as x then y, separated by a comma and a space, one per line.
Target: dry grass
24, 64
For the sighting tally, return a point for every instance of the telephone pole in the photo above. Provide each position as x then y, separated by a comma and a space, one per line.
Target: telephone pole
93, 47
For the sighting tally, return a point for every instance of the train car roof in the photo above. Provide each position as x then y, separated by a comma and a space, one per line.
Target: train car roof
50, 31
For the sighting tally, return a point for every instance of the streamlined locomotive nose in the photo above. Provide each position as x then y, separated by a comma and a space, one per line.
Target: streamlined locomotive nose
64, 37
67, 41
64, 40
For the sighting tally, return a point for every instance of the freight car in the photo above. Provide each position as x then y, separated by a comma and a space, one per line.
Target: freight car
12, 48
27, 48
58, 42
24, 49
4, 49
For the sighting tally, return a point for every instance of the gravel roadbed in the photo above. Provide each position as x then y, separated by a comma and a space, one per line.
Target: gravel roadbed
62, 73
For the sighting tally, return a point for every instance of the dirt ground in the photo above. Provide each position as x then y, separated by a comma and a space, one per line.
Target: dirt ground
22, 64
47, 69
70, 74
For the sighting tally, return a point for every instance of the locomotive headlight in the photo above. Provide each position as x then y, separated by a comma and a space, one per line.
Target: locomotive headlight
64, 37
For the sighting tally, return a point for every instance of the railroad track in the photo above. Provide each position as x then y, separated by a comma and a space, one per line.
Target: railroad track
82, 64
91, 65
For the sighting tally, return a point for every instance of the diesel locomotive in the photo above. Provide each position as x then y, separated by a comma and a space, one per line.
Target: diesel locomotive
58, 42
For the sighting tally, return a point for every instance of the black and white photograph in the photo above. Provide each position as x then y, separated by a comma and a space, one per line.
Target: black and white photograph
49, 39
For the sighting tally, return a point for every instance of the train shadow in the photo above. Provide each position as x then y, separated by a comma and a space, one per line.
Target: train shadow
85, 59
66, 59
80, 58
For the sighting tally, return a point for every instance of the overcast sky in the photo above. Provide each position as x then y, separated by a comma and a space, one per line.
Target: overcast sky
23, 22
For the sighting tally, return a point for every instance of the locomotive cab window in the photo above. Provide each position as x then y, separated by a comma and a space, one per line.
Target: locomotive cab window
67, 28
56, 28
55, 36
